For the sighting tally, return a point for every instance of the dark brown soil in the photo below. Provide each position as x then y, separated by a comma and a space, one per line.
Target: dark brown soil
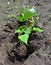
13, 52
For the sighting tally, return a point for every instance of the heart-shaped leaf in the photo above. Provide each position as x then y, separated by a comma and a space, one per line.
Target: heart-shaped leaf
24, 38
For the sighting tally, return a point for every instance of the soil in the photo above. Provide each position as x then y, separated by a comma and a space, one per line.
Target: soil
12, 51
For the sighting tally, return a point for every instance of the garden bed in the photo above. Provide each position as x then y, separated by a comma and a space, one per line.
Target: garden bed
12, 52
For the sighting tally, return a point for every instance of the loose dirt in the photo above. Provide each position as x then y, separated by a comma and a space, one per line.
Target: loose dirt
12, 52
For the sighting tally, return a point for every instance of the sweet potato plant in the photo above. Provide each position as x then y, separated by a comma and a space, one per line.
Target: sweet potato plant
27, 14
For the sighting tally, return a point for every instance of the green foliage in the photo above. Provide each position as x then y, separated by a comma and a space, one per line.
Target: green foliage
37, 29
24, 38
20, 29
32, 22
24, 29
28, 30
27, 15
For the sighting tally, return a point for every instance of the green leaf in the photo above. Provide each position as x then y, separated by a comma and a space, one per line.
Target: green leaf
17, 31
37, 29
24, 38
20, 29
28, 30
26, 13
20, 18
29, 13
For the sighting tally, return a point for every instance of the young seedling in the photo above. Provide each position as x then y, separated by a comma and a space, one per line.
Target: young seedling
27, 15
